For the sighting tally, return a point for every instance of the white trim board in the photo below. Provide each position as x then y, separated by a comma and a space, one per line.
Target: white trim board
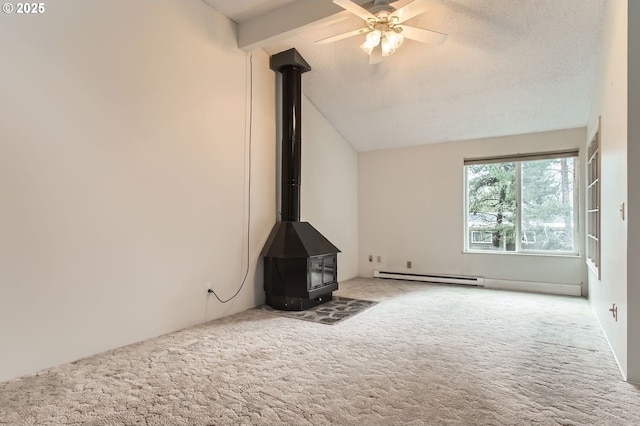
534, 287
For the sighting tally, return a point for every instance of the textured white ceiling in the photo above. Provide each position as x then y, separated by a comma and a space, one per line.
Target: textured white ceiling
243, 10
508, 67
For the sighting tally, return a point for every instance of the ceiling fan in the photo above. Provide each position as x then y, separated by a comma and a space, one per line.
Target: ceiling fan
384, 32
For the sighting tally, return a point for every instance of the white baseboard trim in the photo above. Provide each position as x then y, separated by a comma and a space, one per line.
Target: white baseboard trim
534, 287
496, 284
431, 278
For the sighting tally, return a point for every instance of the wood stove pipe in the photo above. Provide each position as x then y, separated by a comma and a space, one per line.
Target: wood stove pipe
291, 65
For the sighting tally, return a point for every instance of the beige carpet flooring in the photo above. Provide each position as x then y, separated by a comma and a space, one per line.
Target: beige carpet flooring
425, 354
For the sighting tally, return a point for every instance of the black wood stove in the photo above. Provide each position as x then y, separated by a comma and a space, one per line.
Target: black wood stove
300, 264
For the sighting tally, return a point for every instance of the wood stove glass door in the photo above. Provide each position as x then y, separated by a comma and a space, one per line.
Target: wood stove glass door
322, 271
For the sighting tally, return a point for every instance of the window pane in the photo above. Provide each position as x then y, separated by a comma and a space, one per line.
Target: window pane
547, 204
492, 206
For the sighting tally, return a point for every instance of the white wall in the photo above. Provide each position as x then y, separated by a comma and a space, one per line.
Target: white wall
633, 193
329, 190
411, 207
610, 102
122, 175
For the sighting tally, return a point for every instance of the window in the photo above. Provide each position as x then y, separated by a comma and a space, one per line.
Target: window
523, 203
593, 202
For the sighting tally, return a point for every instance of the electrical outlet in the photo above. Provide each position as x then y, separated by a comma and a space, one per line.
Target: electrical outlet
408, 264
207, 287
379, 259
370, 258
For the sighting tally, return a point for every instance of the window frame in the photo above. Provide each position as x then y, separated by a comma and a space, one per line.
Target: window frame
518, 159
593, 213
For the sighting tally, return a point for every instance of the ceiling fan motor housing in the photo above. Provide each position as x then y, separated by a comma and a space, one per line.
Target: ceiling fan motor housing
381, 6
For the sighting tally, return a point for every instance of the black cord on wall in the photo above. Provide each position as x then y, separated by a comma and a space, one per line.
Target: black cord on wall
250, 128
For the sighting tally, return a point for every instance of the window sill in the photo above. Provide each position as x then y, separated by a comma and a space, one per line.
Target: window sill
524, 253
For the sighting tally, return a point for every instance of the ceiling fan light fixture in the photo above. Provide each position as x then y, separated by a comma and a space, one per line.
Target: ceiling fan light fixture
391, 41
387, 47
367, 48
374, 37
395, 38
371, 41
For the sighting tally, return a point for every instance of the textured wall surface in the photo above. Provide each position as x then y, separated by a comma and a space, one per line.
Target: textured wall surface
123, 175
610, 102
330, 186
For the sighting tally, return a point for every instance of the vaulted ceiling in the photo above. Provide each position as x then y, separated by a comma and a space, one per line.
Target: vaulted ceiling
508, 67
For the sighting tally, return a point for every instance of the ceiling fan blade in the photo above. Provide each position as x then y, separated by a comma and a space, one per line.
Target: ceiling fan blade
355, 9
343, 36
422, 35
415, 8
376, 55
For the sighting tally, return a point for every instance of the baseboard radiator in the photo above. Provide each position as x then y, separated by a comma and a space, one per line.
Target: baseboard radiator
431, 278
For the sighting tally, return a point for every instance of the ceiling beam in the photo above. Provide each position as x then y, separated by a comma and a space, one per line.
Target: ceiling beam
287, 21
